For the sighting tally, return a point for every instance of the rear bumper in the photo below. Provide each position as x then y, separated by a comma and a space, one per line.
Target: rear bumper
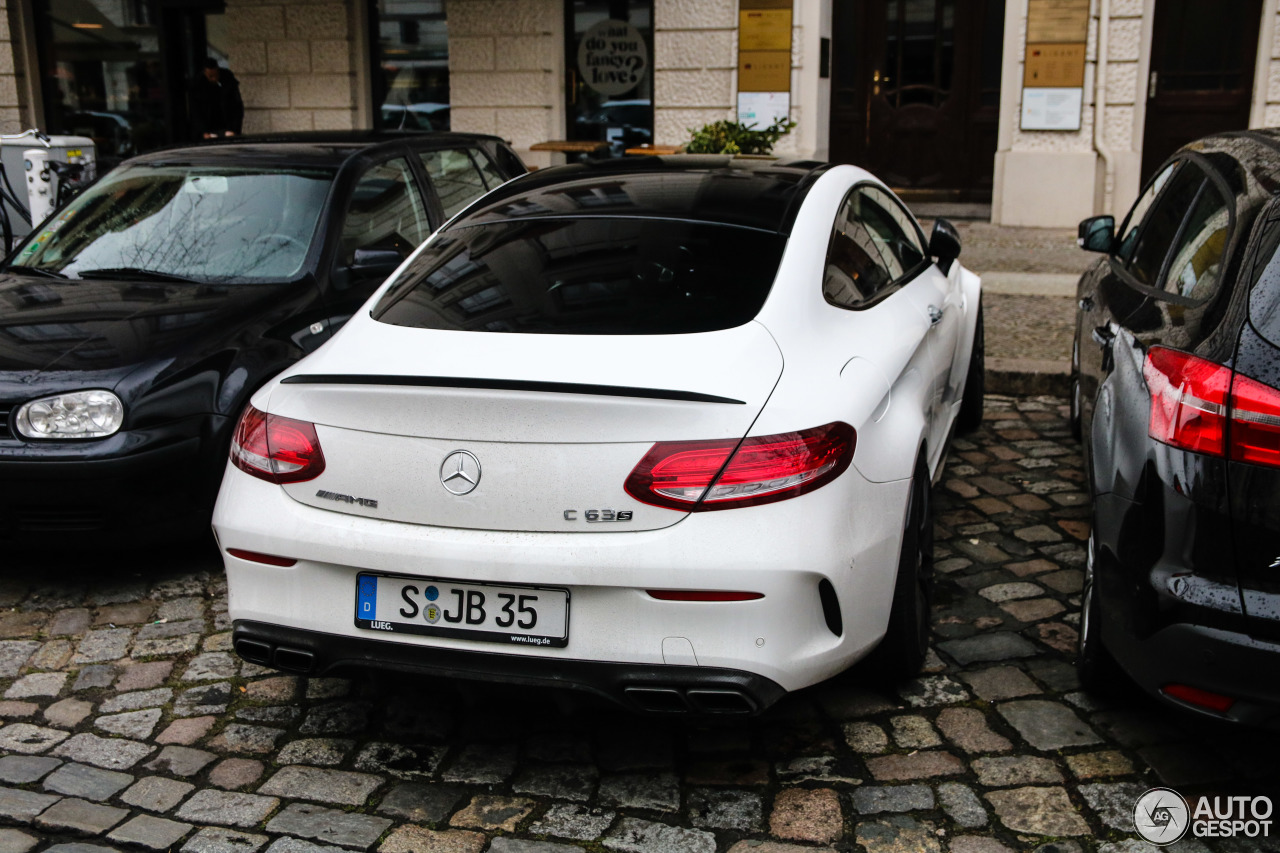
1166, 621
847, 532
661, 689
1231, 664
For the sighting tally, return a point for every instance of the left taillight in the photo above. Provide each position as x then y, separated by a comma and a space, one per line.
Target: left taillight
700, 476
276, 449
1205, 407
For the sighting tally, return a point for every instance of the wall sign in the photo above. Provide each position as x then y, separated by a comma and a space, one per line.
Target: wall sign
764, 61
1053, 68
612, 57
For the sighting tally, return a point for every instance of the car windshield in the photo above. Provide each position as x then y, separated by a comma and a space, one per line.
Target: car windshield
588, 276
182, 223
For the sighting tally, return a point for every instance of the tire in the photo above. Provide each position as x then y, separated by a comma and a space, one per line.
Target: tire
1077, 404
1097, 669
906, 641
975, 383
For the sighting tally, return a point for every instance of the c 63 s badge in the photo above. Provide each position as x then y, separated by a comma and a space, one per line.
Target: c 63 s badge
595, 516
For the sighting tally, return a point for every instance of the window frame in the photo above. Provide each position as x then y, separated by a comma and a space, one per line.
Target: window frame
426, 194
1158, 290
908, 274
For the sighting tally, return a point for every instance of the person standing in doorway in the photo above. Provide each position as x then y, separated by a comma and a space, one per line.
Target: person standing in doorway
216, 107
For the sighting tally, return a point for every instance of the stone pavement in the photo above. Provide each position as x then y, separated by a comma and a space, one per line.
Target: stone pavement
128, 724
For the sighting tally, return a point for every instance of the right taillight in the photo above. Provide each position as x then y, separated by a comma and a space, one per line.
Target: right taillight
1205, 407
276, 449
699, 476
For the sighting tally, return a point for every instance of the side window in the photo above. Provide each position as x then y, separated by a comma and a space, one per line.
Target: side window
1160, 229
386, 212
1196, 267
1132, 222
456, 178
855, 271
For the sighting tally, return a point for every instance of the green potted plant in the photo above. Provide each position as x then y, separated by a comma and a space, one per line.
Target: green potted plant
731, 137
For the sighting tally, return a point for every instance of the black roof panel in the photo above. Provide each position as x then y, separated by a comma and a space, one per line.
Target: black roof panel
312, 148
761, 194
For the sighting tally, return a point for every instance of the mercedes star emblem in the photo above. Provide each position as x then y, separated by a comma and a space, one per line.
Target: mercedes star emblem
460, 472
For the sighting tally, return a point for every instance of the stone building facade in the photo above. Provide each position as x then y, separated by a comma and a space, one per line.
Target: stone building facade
311, 65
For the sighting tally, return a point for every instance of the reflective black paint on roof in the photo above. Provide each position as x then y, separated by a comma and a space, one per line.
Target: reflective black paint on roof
758, 194
316, 148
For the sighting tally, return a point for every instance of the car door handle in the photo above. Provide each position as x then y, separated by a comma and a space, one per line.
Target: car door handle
1103, 336
1086, 304
935, 315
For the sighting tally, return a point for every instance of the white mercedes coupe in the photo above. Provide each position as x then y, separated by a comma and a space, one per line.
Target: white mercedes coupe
660, 429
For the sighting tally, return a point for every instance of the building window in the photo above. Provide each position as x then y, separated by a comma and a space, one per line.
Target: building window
411, 64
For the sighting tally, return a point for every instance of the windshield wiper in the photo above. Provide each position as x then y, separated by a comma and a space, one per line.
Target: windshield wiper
19, 270
135, 272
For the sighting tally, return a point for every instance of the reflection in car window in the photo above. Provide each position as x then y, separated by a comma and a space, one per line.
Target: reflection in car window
1161, 226
208, 224
874, 245
456, 178
386, 212
1133, 221
1197, 256
589, 276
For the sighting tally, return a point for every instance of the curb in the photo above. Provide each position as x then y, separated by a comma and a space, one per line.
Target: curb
1028, 377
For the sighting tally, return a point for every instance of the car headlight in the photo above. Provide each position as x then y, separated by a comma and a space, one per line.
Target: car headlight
81, 414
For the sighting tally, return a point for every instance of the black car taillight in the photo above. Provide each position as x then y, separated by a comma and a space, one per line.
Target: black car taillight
1204, 407
699, 476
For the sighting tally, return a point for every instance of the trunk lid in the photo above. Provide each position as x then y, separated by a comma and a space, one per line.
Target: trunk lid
550, 425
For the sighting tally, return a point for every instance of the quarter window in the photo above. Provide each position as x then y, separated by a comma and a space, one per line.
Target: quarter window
875, 245
457, 178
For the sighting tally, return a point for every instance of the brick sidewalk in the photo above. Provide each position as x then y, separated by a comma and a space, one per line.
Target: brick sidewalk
128, 724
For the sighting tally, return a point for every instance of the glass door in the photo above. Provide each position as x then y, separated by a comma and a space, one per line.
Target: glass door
411, 64
609, 72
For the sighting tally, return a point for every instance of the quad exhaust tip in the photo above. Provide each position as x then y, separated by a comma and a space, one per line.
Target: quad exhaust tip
673, 700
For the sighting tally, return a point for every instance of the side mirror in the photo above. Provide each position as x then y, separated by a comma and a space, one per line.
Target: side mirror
376, 261
944, 243
1097, 234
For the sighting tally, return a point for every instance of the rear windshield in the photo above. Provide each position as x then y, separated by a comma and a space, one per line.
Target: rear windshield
588, 276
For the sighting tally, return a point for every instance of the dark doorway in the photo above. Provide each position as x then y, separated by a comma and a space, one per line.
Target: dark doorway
1201, 79
120, 72
609, 72
915, 92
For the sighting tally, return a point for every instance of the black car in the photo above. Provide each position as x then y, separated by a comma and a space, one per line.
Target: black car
1176, 391
136, 321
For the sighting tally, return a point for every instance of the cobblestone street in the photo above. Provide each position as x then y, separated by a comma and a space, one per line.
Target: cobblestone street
129, 723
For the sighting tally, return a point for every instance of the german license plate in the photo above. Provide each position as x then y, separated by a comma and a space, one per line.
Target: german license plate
518, 615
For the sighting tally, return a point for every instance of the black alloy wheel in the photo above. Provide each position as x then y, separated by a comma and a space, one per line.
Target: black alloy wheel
975, 386
1097, 669
1077, 404
906, 641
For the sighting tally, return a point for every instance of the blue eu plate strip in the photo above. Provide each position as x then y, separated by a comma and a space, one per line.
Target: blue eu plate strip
367, 598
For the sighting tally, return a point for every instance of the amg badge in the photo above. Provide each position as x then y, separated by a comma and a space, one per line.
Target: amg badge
347, 499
